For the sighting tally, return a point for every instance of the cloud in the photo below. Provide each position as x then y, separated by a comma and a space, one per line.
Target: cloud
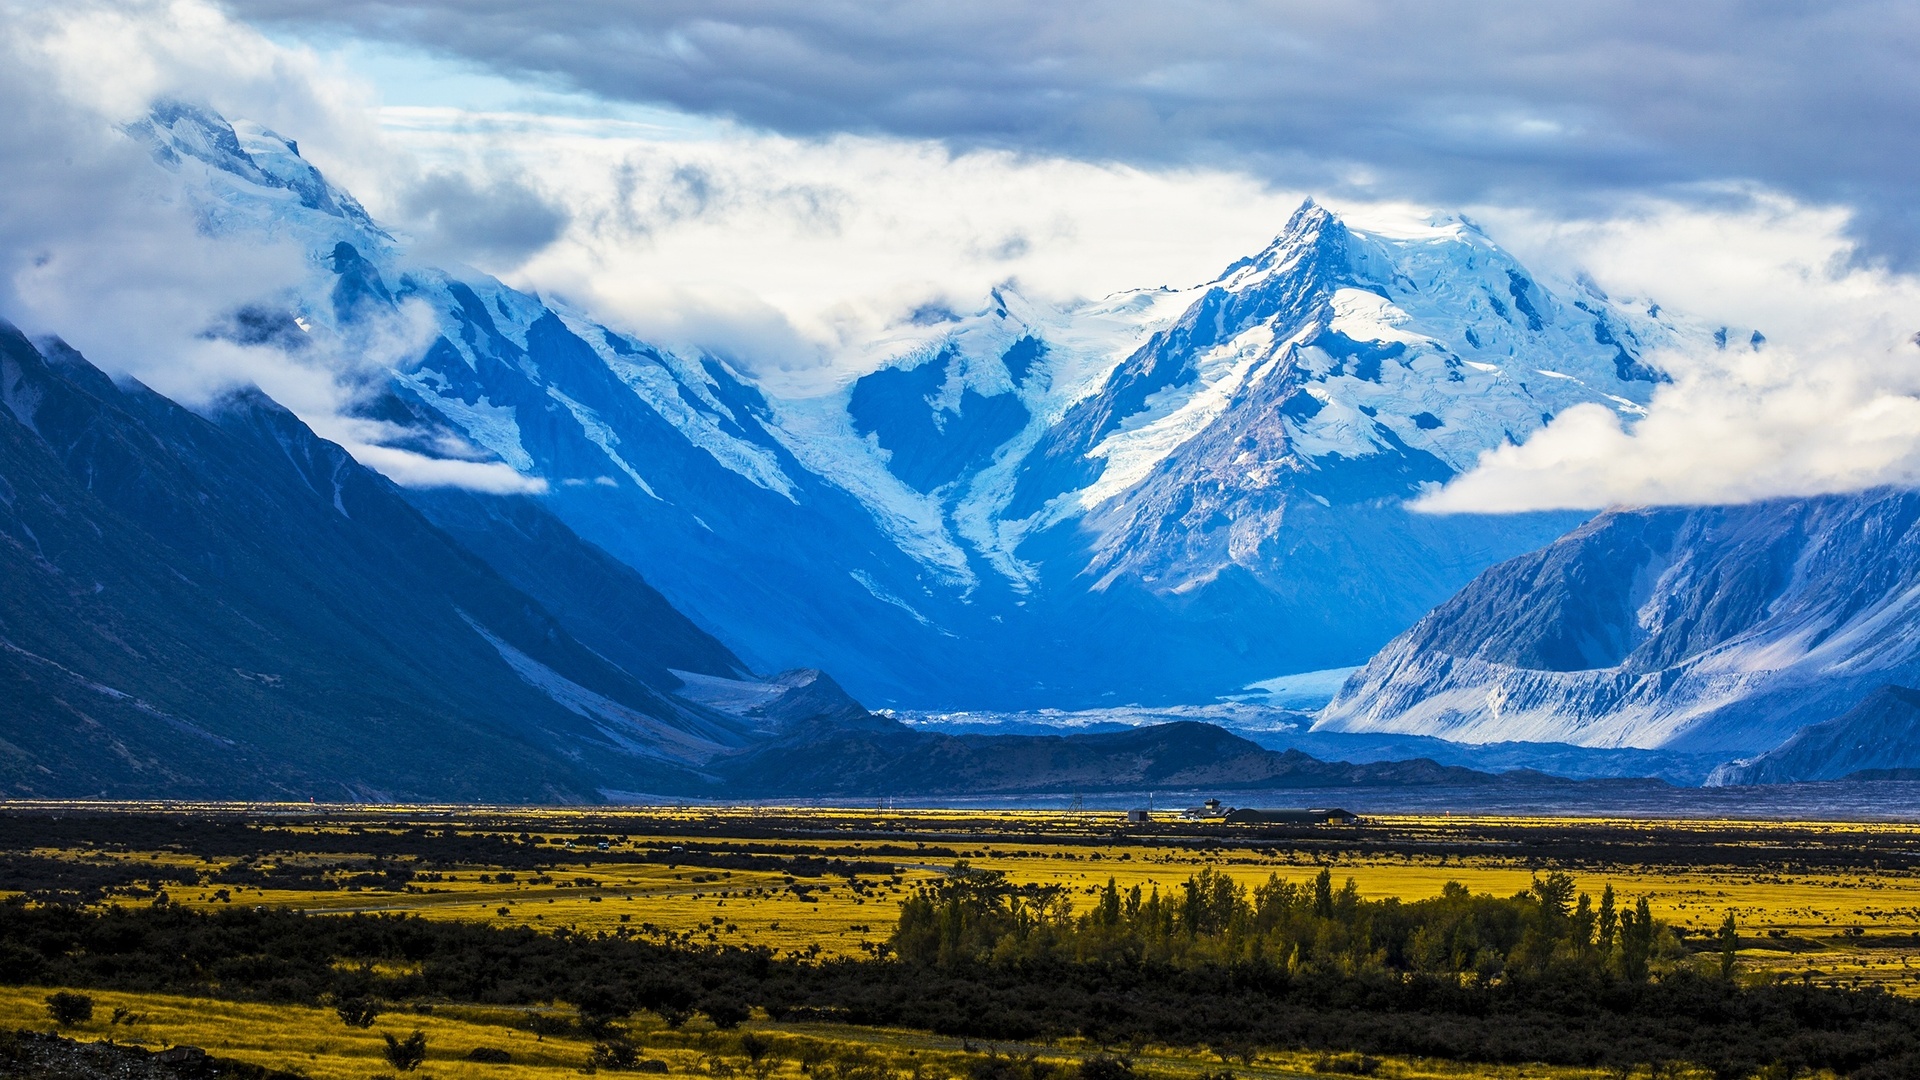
94, 244
410, 469
454, 218
909, 163
1825, 399
104, 249
1443, 103
793, 257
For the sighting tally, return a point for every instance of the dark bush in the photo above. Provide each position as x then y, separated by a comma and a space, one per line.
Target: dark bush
406, 1054
755, 1046
1011, 1067
357, 1012
616, 1054
68, 1009
601, 1007
488, 1055
726, 1015
1106, 1067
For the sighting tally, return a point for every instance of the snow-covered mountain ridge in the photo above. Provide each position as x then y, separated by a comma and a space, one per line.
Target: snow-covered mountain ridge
1716, 629
1230, 462
1333, 352
1018, 504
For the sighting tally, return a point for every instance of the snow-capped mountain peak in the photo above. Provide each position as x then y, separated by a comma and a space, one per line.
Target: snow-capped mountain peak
1011, 503
1335, 345
262, 169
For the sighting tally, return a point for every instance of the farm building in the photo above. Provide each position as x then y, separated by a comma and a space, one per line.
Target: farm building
1212, 808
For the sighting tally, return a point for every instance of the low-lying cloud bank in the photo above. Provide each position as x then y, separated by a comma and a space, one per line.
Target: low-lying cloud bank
104, 249
1826, 399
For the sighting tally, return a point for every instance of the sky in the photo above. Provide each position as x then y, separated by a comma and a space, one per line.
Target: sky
781, 182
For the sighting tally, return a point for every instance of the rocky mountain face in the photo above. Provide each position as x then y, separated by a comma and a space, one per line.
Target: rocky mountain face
1876, 739
224, 605
1017, 503
674, 464
1721, 629
227, 605
601, 601
1217, 477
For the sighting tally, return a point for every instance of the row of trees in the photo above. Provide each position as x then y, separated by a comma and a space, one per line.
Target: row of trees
1574, 1014
974, 916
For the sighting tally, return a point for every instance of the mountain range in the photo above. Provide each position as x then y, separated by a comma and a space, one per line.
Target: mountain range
221, 604
1878, 739
225, 604
1153, 500
1709, 630
1017, 502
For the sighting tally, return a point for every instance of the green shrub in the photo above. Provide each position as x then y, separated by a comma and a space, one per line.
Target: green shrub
1106, 1067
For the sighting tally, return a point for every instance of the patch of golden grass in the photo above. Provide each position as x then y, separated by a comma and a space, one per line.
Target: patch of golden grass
291, 1037
315, 1043
1796, 923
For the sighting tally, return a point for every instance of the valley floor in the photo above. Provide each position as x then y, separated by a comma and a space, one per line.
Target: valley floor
314, 1043
1828, 904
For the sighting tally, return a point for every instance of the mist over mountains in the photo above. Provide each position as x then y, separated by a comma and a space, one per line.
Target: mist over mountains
601, 553
1026, 498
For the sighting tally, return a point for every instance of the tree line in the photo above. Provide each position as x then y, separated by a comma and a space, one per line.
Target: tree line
973, 916
1314, 966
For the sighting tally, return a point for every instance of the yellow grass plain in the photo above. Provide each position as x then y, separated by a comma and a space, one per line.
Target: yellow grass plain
314, 1043
1832, 926
1794, 922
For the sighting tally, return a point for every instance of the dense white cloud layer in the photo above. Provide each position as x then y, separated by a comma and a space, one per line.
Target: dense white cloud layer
1439, 102
792, 253
789, 255
100, 247
94, 242
1826, 403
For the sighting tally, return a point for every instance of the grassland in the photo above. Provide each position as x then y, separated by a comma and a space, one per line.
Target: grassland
1825, 903
1830, 921
313, 1041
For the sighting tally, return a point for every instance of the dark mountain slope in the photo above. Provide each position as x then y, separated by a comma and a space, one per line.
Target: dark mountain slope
886, 758
225, 605
1878, 737
233, 606
603, 602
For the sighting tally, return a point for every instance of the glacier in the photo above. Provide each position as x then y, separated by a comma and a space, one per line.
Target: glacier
1155, 497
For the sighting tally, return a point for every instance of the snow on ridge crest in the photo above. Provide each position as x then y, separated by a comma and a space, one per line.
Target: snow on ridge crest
1441, 295
244, 177
1393, 337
